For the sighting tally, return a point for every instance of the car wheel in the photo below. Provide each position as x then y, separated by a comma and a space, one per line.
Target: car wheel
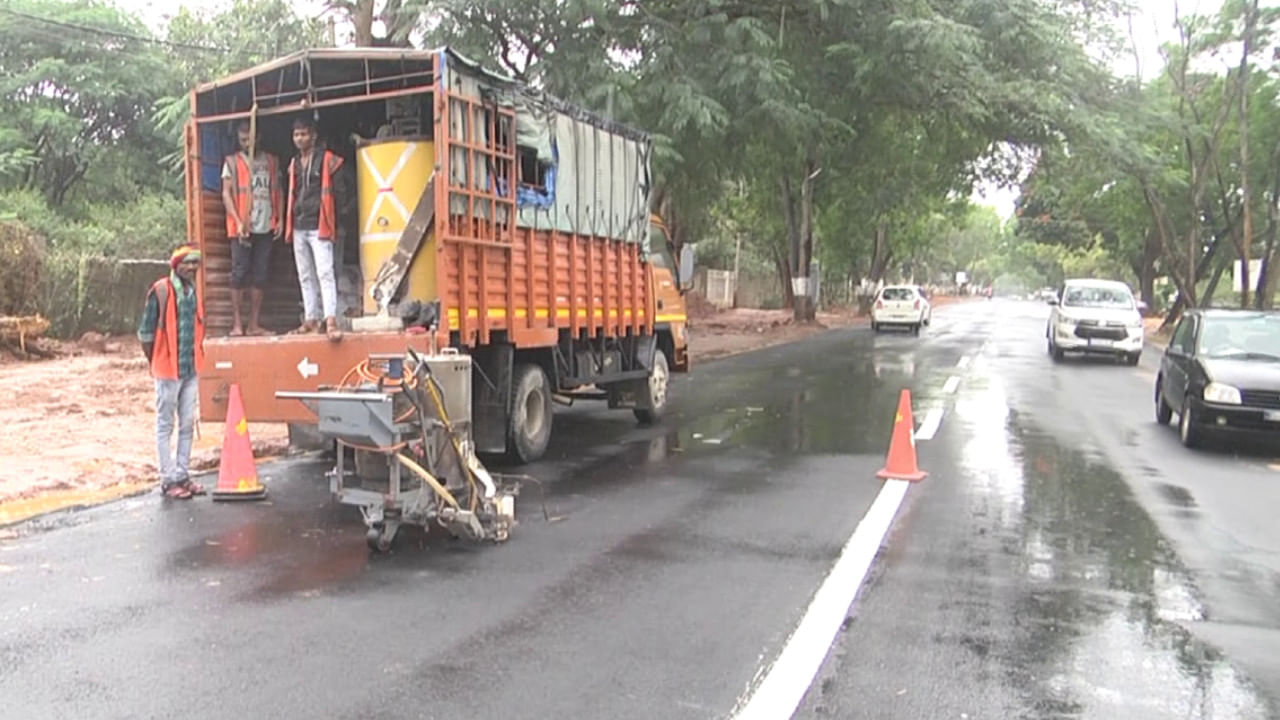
915, 329
1188, 428
1133, 358
1164, 413
1057, 353
875, 326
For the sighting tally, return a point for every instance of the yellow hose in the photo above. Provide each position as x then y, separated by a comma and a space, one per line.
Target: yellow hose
428, 479
448, 427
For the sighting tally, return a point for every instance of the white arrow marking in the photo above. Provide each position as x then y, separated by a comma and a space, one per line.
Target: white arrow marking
306, 368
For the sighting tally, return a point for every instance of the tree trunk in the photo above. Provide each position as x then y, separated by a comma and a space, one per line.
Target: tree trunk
1180, 302
799, 223
805, 308
1212, 287
880, 253
793, 241
1269, 275
1246, 240
783, 267
1147, 269
362, 20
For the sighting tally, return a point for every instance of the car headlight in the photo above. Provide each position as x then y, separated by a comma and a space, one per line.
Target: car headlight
1219, 393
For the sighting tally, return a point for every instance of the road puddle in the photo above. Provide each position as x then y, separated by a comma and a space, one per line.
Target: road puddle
1101, 600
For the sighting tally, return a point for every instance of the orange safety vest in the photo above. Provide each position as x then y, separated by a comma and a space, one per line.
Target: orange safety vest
164, 353
243, 188
328, 211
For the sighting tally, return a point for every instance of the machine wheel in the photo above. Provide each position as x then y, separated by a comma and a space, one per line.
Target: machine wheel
378, 539
1164, 413
529, 431
656, 389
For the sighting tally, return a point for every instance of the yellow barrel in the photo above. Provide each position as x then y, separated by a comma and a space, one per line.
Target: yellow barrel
391, 175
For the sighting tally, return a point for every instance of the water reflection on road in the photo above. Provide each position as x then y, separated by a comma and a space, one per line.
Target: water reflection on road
1101, 597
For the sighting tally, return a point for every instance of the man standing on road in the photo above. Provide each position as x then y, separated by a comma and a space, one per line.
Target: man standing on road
252, 198
317, 184
172, 337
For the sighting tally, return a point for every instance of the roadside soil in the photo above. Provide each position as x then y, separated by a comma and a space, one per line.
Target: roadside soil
80, 429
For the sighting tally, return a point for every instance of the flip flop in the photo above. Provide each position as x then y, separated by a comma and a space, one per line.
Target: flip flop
194, 487
177, 491
233, 333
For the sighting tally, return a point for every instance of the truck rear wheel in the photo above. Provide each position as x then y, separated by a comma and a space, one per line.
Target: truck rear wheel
529, 429
656, 390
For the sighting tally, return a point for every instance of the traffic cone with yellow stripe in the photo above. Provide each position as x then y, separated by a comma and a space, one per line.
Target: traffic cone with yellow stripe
901, 463
237, 472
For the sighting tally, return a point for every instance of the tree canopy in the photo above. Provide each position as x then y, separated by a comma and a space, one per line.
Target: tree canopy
846, 135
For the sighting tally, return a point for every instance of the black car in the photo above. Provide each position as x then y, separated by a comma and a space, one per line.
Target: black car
1221, 371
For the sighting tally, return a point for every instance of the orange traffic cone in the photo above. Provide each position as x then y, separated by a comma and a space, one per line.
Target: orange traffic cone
237, 473
901, 464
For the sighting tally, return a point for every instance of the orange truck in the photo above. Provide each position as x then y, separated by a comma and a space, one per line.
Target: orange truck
519, 222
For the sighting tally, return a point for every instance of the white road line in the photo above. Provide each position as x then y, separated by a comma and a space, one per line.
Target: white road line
929, 427
784, 686
953, 382
964, 362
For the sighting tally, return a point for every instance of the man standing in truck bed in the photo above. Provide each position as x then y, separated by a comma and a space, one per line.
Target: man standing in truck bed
253, 201
318, 190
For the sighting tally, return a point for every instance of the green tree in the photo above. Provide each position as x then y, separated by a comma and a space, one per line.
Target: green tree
77, 80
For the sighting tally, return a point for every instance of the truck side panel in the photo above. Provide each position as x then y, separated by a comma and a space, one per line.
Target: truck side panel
545, 281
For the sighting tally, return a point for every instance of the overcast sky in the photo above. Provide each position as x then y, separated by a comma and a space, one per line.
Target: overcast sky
1153, 26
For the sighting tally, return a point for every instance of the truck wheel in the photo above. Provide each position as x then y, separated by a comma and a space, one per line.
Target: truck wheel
656, 388
529, 430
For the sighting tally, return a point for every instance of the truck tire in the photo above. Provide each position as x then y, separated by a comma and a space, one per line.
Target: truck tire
656, 388
529, 428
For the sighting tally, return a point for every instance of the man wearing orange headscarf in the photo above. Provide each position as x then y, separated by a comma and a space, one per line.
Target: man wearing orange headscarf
172, 337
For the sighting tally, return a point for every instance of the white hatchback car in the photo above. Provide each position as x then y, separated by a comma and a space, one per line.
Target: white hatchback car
1095, 317
902, 306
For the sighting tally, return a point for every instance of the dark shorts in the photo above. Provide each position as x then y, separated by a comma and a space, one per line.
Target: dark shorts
250, 263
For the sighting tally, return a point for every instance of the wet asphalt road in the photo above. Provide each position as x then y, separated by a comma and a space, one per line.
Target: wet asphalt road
1066, 558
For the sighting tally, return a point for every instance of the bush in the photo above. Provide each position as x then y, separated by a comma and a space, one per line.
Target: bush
147, 226
22, 257
58, 297
49, 258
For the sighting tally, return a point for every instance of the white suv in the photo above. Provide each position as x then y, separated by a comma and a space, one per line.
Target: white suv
1095, 317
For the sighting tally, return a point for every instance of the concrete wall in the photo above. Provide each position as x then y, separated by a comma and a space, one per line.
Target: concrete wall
111, 293
105, 295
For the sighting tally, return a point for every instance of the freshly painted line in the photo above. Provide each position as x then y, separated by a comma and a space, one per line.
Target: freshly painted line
784, 686
964, 362
929, 427
953, 382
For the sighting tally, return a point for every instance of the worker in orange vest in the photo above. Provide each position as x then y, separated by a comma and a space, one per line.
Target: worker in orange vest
319, 192
254, 204
172, 337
